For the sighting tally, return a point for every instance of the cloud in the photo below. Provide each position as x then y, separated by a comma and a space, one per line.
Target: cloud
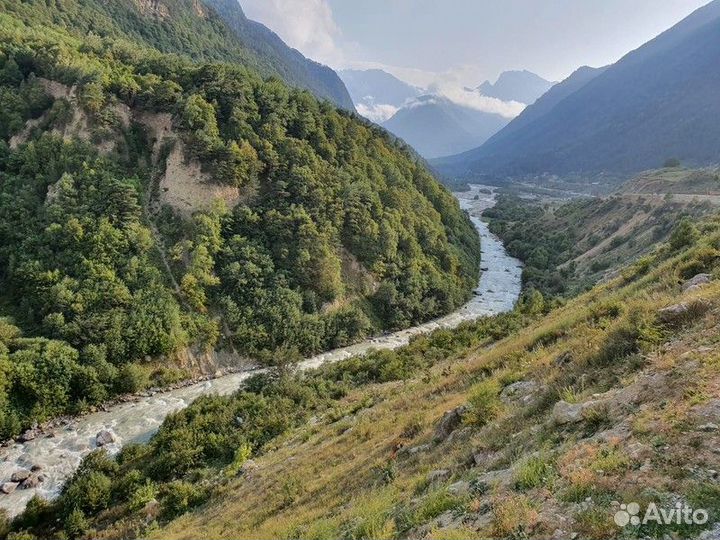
306, 25
475, 100
450, 84
378, 113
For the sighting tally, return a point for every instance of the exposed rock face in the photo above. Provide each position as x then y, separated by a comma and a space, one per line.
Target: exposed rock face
459, 488
521, 393
697, 281
450, 421
567, 413
682, 313
186, 188
153, 8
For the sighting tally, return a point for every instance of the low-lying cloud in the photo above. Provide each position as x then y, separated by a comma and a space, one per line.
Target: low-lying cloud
475, 100
378, 113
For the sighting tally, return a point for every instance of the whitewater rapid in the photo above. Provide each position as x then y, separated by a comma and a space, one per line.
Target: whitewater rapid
60, 452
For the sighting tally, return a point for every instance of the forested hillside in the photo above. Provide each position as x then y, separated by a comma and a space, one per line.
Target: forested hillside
204, 30
151, 206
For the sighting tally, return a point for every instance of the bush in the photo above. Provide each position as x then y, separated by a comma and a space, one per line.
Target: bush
76, 524
89, 493
133, 378
534, 472
484, 400
684, 234
142, 495
178, 497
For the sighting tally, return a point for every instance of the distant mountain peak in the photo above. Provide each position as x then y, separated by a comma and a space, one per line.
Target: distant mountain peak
657, 102
522, 86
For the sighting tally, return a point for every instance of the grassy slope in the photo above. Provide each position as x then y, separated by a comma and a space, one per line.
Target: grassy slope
589, 240
653, 387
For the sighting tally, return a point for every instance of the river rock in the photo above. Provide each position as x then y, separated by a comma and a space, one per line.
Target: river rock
449, 422
8, 487
104, 437
36, 468
30, 482
697, 281
29, 435
19, 476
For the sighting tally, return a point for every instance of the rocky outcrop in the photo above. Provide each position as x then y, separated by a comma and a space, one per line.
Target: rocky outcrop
520, 394
683, 313
696, 282
153, 8
449, 422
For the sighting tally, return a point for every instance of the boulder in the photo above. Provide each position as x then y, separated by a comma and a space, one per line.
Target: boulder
567, 413
449, 422
439, 475
29, 435
19, 476
8, 487
30, 482
679, 314
104, 437
459, 488
248, 467
499, 478
696, 281
521, 393
418, 449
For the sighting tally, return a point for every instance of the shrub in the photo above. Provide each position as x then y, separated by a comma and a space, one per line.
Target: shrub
242, 454
133, 378
684, 234
91, 492
4, 523
142, 495
76, 524
513, 516
178, 497
534, 472
484, 400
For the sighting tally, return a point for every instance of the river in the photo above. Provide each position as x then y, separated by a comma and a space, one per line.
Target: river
60, 453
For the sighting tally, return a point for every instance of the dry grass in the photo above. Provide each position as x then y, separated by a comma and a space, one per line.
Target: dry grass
331, 479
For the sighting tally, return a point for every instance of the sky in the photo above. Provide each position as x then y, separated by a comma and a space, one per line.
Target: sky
464, 42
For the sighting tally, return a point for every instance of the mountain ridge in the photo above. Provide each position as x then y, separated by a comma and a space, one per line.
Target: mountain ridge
632, 116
